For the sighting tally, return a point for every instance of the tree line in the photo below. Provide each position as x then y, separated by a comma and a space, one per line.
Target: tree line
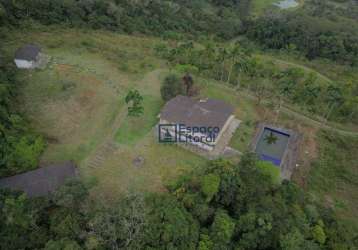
20, 147
167, 18
316, 31
220, 206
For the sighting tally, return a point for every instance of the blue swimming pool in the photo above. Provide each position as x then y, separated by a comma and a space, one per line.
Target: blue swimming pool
272, 145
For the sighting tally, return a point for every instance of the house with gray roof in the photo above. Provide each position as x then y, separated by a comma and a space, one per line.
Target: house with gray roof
207, 124
41, 181
28, 56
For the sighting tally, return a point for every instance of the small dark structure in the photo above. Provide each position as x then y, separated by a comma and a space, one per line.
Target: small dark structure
42, 181
28, 56
277, 145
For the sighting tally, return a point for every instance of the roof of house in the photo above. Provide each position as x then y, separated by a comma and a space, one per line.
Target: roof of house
28, 52
197, 113
42, 181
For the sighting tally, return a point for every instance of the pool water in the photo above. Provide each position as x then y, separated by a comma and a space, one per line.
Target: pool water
272, 146
285, 4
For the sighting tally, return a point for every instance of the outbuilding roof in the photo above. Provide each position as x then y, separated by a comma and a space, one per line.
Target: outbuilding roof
28, 52
197, 113
42, 181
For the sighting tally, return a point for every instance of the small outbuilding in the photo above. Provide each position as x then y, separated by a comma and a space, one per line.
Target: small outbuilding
28, 57
41, 181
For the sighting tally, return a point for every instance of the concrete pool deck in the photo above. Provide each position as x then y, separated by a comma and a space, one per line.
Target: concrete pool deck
290, 156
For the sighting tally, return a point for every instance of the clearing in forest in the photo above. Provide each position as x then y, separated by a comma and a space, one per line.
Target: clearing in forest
77, 102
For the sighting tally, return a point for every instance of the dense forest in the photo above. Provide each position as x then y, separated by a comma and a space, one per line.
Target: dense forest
19, 146
319, 29
225, 205
221, 207
314, 31
147, 17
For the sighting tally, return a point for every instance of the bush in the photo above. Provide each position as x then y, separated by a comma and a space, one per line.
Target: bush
210, 186
171, 87
268, 169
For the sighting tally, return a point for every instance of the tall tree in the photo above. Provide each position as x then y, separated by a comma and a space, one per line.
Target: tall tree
234, 54
188, 83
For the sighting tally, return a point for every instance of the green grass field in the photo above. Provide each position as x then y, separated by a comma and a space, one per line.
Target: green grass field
161, 165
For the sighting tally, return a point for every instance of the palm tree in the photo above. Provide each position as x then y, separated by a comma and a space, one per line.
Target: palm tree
353, 104
188, 83
221, 57
241, 66
271, 138
310, 92
334, 98
207, 55
234, 54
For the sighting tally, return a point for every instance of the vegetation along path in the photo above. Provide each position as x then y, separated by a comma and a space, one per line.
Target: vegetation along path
288, 110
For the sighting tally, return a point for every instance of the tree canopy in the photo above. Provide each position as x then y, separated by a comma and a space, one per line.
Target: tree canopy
221, 206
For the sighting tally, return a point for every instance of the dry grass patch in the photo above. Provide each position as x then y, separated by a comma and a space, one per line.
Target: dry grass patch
71, 105
162, 163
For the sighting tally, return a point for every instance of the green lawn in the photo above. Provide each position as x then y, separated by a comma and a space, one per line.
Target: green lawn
243, 136
133, 129
162, 164
72, 104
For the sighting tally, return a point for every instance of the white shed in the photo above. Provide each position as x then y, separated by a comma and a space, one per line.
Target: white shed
28, 56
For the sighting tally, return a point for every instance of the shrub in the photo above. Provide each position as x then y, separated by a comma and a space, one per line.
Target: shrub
171, 87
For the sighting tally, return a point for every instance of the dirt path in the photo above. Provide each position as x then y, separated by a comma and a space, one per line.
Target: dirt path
108, 146
150, 83
304, 68
318, 123
286, 109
